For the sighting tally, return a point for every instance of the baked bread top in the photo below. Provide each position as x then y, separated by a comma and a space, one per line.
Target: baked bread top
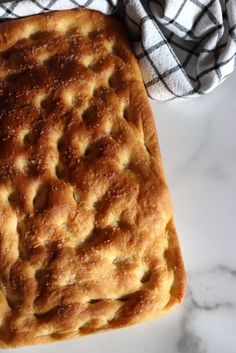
87, 241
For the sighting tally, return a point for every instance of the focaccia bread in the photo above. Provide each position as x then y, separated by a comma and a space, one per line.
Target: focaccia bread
87, 241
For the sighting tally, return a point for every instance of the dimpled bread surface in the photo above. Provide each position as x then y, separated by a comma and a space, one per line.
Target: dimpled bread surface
87, 240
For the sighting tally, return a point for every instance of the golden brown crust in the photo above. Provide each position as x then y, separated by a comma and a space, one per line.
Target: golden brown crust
87, 241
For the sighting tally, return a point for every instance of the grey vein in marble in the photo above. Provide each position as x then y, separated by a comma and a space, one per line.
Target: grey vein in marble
201, 301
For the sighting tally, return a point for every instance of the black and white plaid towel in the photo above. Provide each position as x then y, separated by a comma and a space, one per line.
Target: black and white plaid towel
185, 47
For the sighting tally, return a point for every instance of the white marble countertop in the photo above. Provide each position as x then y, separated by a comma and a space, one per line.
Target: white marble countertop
198, 144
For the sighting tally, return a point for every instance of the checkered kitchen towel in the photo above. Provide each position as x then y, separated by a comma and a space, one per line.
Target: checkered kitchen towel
185, 47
